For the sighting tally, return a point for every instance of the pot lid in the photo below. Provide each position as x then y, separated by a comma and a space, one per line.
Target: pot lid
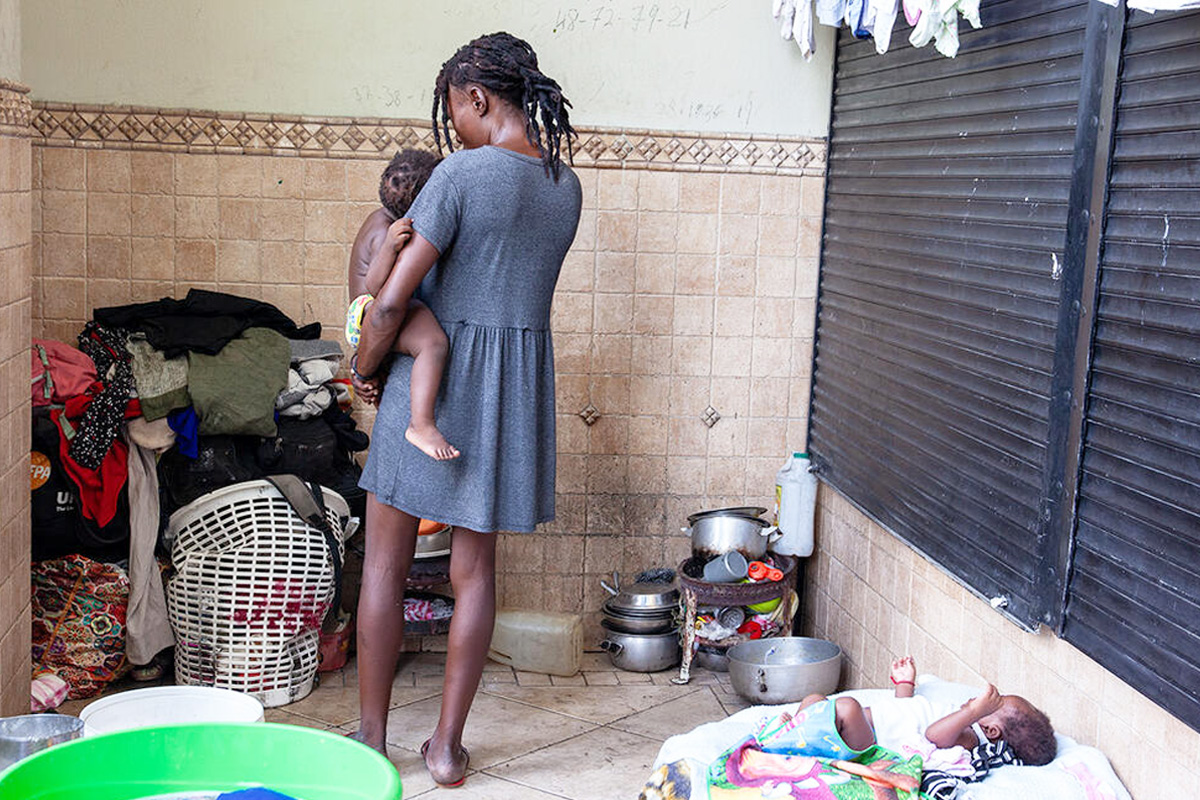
748, 512
642, 596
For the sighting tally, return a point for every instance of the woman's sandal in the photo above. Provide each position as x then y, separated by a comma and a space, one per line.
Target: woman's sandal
466, 766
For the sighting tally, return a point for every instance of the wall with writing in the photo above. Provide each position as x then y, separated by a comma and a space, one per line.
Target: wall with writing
702, 65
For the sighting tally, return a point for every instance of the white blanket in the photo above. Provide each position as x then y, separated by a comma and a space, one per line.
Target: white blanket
1078, 772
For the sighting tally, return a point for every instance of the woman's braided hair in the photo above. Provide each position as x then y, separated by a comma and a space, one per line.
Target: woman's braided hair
508, 67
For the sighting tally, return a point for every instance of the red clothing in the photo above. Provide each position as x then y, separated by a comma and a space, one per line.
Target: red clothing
100, 488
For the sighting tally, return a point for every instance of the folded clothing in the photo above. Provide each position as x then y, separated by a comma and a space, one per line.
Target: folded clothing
234, 391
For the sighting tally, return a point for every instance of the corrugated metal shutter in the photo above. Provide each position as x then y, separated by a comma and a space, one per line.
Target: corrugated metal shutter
1134, 593
945, 224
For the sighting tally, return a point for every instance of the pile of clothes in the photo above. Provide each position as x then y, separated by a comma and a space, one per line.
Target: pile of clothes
161, 403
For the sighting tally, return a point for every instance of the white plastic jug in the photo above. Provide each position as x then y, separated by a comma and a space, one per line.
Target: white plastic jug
538, 641
795, 507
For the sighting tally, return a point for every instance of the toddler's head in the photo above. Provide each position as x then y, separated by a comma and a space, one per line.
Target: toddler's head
403, 178
1026, 729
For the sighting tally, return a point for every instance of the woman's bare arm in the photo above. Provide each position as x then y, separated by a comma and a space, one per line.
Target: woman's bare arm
386, 314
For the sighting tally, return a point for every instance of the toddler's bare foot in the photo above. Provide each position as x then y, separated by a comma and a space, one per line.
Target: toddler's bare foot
904, 676
429, 440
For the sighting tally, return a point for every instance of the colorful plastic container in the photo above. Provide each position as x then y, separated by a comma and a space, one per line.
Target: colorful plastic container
304, 763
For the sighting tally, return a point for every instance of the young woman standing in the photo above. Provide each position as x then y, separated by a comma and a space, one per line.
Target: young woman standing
491, 229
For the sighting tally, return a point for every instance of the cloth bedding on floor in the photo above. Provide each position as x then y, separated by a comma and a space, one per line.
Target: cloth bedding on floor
682, 768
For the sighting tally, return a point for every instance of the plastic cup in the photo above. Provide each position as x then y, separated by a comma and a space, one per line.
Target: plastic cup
728, 568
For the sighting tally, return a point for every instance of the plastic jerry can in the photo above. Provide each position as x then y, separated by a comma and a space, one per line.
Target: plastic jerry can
538, 641
795, 507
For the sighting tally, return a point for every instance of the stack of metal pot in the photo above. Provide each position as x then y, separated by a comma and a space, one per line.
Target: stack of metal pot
639, 623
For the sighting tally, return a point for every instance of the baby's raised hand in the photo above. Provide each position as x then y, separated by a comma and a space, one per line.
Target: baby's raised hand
398, 234
904, 670
986, 703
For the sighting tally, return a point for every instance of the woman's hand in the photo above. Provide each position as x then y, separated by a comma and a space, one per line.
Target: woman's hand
369, 389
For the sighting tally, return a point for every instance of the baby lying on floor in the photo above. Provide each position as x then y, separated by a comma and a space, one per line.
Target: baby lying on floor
844, 728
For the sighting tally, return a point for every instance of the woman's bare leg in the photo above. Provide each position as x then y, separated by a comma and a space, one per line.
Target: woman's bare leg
391, 539
423, 338
473, 576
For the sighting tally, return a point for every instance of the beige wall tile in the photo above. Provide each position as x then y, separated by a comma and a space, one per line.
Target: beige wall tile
324, 221
617, 189
109, 257
653, 314
196, 175
150, 173
64, 212
238, 262
196, 217
195, 261
658, 191
109, 171
655, 273
63, 255
64, 168
616, 231
578, 271
740, 194
325, 179
693, 316
152, 215
109, 214
615, 272
239, 218
736, 276
700, 193
240, 176
656, 231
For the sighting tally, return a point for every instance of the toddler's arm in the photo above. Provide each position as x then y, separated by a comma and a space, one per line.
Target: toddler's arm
398, 234
955, 728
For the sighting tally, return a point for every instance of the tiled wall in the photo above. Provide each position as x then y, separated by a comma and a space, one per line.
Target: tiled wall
879, 599
690, 287
16, 256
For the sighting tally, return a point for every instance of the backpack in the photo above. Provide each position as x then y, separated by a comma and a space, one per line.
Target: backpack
58, 372
56, 515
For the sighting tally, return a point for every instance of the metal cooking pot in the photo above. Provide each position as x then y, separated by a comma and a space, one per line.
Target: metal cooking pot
642, 652
785, 669
641, 597
637, 623
720, 531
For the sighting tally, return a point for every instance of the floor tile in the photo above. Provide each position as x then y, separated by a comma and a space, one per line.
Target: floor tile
497, 729
337, 705
481, 786
599, 704
284, 717
604, 764
674, 716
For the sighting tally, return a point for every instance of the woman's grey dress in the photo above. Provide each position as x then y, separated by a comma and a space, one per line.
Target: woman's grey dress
501, 227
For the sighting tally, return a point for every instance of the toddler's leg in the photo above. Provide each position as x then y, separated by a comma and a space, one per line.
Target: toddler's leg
423, 338
852, 723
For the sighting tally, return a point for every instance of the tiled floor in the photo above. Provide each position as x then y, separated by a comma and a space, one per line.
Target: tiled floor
531, 736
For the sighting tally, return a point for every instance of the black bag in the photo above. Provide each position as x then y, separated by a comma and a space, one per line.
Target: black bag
312, 450
220, 461
56, 515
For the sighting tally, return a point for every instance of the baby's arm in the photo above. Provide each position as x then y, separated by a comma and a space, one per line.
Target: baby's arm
398, 234
955, 728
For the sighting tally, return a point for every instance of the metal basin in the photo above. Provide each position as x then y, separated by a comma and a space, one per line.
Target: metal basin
785, 669
28, 734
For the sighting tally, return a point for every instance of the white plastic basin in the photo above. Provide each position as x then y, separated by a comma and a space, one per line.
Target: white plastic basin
168, 705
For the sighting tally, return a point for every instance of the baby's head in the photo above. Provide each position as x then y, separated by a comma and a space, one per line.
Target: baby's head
1026, 729
403, 179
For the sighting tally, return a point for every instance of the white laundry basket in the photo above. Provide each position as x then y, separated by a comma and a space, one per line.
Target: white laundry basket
252, 585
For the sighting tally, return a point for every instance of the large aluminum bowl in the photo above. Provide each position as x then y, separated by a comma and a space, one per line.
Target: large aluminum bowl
785, 669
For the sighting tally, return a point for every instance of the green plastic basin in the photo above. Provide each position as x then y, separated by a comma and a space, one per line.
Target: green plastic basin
301, 762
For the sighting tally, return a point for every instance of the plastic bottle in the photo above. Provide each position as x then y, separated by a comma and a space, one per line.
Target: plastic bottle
795, 506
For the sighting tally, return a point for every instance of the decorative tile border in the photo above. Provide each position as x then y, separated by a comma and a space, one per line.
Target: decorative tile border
15, 109
185, 130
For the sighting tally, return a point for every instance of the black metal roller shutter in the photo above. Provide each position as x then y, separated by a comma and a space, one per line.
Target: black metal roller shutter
1133, 600
945, 225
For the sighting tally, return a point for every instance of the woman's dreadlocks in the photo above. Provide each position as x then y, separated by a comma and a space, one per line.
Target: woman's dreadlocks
508, 67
